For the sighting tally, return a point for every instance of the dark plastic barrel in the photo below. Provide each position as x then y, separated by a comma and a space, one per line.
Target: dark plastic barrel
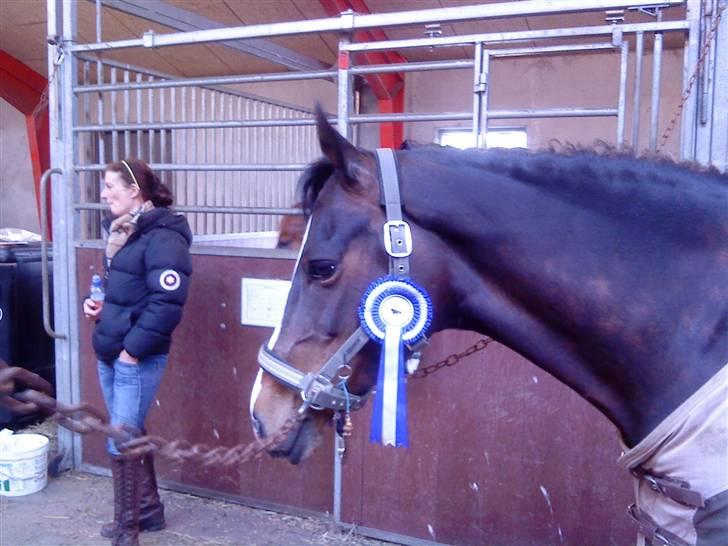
23, 340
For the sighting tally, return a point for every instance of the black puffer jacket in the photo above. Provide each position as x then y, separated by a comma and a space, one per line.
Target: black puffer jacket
146, 287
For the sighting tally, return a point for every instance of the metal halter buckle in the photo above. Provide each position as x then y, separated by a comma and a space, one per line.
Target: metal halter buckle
397, 238
311, 388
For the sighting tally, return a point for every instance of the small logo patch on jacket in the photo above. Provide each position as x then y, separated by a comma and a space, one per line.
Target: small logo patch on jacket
169, 280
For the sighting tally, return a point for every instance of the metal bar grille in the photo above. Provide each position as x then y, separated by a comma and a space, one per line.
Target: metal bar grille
226, 156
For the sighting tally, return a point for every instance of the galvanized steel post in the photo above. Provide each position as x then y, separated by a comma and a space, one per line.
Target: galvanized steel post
711, 88
639, 57
62, 108
621, 102
655, 97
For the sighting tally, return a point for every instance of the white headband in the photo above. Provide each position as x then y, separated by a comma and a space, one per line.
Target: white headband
128, 168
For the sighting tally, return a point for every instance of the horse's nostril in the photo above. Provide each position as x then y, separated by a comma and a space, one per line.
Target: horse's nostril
258, 427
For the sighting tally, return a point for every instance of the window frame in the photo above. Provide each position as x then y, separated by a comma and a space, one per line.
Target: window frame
440, 131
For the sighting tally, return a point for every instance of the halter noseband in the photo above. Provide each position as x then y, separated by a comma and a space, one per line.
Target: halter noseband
323, 390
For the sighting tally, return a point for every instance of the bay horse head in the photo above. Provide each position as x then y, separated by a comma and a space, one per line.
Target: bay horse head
604, 270
343, 252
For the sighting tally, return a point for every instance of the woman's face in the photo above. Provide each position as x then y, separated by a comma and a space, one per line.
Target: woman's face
121, 198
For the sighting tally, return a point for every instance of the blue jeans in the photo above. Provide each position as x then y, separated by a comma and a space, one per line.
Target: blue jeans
128, 391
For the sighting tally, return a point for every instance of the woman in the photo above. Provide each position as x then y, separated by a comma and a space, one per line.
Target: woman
148, 267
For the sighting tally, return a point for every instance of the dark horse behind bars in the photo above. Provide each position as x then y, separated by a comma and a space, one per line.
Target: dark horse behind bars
607, 271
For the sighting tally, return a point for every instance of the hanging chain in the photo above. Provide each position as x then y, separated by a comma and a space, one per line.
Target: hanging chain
452, 359
420, 373
689, 87
346, 424
43, 101
183, 451
85, 419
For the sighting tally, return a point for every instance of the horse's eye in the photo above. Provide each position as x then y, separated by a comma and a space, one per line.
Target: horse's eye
321, 269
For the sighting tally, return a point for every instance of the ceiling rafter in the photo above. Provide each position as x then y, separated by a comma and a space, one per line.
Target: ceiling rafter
183, 20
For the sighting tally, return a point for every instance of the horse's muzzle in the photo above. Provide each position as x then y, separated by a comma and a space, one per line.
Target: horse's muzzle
299, 443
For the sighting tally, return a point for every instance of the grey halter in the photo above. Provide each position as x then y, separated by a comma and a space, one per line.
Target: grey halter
323, 389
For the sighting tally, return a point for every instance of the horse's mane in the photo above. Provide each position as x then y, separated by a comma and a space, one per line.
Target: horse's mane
556, 149
569, 164
610, 151
413, 144
643, 168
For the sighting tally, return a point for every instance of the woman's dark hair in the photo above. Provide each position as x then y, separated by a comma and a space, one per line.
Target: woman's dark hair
137, 171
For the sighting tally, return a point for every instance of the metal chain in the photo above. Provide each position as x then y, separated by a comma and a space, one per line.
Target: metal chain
688, 89
452, 359
206, 456
85, 419
347, 426
43, 101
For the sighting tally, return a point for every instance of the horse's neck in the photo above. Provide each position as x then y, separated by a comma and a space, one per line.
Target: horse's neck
606, 301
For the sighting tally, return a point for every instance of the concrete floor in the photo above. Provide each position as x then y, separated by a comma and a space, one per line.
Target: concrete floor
70, 510
72, 507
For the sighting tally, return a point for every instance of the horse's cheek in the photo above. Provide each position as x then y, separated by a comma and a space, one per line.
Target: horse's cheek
365, 367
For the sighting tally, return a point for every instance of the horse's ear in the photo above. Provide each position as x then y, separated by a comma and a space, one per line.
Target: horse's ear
339, 151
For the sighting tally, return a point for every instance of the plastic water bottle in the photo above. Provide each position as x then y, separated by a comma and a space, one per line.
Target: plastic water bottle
97, 289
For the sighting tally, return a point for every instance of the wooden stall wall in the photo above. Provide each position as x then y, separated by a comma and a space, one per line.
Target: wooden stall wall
205, 391
501, 454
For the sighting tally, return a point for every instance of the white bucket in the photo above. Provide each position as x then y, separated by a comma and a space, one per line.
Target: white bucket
23, 464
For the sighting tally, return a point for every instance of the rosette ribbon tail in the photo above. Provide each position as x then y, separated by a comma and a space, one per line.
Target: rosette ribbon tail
389, 416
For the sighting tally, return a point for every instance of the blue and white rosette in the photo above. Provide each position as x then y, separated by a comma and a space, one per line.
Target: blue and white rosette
394, 312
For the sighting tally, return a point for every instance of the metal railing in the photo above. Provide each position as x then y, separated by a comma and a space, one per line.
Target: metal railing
188, 129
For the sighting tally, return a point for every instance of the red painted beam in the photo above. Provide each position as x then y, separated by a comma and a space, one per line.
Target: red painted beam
388, 87
391, 134
20, 85
385, 86
40, 155
22, 88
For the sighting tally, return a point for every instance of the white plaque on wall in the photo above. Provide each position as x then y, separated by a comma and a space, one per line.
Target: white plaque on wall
263, 301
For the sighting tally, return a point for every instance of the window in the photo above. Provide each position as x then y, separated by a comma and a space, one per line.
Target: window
502, 137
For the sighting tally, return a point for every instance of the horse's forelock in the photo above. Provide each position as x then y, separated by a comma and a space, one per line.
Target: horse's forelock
312, 182
314, 178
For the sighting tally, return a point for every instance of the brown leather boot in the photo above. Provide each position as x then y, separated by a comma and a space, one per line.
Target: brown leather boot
108, 529
129, 488
151, 509
151, 513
